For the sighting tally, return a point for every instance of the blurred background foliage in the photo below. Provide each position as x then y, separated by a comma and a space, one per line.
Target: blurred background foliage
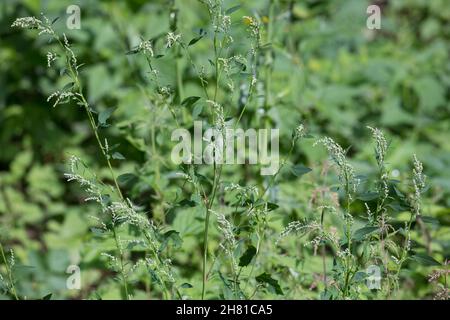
329, 71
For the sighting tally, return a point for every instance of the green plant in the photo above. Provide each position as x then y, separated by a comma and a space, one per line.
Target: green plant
8, 282
219, 231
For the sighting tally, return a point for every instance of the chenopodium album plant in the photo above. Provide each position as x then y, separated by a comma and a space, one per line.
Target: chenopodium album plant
118, 211
357, 254
241, 212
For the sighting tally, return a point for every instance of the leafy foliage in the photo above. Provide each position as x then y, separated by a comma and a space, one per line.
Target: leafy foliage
140, 227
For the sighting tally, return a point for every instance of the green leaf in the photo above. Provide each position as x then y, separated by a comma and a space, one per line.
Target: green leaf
247, 257
189, 101
105, 115
118, 156
272, 206
171, 236
267, 279
425, 259
368, 196
359, 276
299, 170
127, 178
98, 231
68, 86
431, 92
361, 233
187, 203
133, 51
232, 9
430, 220
47, 297
194, 41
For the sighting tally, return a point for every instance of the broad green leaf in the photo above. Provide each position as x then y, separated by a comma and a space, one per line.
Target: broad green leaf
171, 236
127, 178
299, 170
189, 101
187, 203
232, 9
105, 115
267, 279
272, 206
118, 156
430, 220
194, 41
361, 233
48, 296
425, 259
247, 256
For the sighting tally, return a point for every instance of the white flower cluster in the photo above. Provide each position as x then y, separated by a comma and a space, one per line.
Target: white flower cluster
91, 187
346, 171
418, 183
71, 54
124, 211
219, 117
299, 132
113, 262
419, 177
61, 96
50, 58
222, 23
299, 227
229, 243
381, 145
165, 91
253, 26
171, 39
12, 259
146, 47
33, 23
370, 215
343, 254
243, 193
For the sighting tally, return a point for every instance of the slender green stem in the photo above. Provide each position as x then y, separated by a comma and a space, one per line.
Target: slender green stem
348, 270
217, 173
205, 251
269, 64
179, 79
208, 207
122, 267
324, 263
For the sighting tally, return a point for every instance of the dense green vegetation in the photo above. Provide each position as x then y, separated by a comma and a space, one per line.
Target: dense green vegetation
364, 120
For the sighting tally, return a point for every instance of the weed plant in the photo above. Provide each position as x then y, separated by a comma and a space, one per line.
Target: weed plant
351, 223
